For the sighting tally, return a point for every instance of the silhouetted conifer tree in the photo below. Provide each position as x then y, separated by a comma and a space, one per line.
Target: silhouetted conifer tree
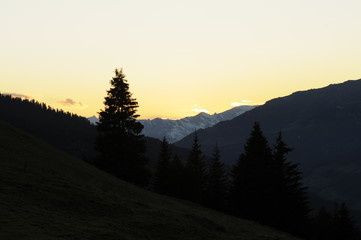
322, 225
120, 141
339, 225
177, 178
217, 182
195, 170
344, 224
251, 180
290, 201
162, 179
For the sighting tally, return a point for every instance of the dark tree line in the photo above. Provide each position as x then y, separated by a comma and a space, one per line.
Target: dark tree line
64, 130
262, 186
335, 225
10, 103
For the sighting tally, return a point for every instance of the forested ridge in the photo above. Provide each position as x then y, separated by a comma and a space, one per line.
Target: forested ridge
67, 131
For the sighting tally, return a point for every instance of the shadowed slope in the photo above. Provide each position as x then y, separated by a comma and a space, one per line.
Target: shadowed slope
322, 125
46, 194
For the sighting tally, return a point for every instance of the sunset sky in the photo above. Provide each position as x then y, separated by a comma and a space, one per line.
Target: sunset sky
180, 57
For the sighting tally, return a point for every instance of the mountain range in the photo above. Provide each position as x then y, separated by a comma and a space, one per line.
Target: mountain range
174, 130
323, 126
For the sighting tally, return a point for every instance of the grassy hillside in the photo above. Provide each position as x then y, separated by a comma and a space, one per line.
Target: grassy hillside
46, 194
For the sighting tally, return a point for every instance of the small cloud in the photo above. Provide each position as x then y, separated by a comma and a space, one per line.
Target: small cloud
196, 108
241, 103
71, 103
67, 102
18, 95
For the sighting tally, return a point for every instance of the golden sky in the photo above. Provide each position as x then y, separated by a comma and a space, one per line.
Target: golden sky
180, 57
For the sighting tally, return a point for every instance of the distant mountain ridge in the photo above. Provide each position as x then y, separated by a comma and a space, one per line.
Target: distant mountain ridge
174, 130
322, 125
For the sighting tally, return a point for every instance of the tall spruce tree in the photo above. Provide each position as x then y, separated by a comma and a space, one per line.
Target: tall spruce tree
251, 180
195, 171
120, 141
162, 178
177, 178
339, 225
344, 224
290, 200
216, 182
322, 225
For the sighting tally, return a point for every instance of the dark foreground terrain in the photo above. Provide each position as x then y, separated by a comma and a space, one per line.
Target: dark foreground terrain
46, 194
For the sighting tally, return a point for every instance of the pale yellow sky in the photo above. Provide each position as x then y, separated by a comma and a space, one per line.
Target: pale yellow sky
179, 56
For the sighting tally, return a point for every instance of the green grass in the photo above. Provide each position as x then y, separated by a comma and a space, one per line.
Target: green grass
46, 194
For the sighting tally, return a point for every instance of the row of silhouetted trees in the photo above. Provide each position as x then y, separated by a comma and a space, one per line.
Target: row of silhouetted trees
67, 131
195, 180
262, 186
335, 225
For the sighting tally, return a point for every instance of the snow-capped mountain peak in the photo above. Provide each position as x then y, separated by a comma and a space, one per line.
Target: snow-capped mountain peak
175, 130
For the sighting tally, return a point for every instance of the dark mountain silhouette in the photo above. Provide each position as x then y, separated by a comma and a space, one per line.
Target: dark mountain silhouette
322, 125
